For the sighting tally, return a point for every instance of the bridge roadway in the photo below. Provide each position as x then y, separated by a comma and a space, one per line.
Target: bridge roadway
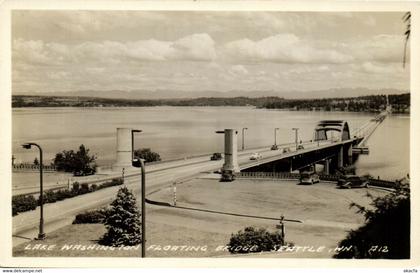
159, 176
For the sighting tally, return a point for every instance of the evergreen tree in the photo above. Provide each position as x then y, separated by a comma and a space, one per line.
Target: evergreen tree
387, 228
122, 221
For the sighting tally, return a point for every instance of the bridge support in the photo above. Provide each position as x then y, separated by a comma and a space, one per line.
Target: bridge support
124, 150
340, 157
327, 166
231, 151
350, 155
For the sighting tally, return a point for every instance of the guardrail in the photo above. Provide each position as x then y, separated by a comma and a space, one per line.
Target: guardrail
26, 167
382, 183
277, 175
325, 177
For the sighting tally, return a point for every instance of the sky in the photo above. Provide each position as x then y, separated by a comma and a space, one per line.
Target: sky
58, 51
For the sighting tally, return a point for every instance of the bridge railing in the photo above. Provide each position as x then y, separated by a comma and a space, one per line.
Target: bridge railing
32, 168
325, 177
382, 183
273, 175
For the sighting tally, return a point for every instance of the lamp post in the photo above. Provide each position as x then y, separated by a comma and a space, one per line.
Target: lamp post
296, 136
139, 163
275, 136
243, 138
132, 141
41, 234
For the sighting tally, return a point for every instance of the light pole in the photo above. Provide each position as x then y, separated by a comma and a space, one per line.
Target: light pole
41, 234
296, 136
243, 138
132, 141
139, 163
275, 136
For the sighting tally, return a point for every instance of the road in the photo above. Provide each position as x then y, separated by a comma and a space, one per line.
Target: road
159, 176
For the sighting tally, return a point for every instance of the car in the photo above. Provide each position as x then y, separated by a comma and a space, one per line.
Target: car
274, 147
353, 181
255, 156
308, 177
227, 176
300, 147
83, 173
286, 150
216, 156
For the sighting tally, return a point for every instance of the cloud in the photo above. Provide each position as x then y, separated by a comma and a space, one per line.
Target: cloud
282, 48
380, 48
373, 68
196, 47
238, 70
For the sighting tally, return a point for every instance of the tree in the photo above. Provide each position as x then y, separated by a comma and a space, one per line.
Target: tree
147, 155
407, 20
122, 221
76, 162
386, 232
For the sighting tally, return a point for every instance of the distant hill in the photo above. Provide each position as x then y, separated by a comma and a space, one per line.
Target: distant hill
171, 94
374, 103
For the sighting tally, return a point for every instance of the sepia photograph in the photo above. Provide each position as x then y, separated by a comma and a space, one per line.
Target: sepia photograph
210, 134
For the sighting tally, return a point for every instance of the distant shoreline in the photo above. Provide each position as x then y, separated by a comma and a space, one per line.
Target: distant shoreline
365, 104
250, 106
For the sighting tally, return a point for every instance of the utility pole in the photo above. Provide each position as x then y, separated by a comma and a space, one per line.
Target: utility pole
243, 138
174, 193
296, 136
275, 136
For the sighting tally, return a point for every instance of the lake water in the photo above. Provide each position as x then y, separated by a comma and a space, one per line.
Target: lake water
176, 132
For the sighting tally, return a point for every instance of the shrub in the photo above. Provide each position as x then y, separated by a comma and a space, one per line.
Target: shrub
90, 217
113, 182
147, 155
122, 221
21, 203
387, 226
63, 194
75, 187
93, 187
50, 197
84, 188
254, 240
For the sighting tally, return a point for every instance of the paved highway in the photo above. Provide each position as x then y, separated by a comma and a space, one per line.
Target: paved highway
57, 215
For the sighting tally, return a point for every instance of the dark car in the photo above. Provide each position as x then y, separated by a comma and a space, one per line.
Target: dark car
216, 156
353, 181
300, 147
308, 177
274, 147
83, 173
286, 150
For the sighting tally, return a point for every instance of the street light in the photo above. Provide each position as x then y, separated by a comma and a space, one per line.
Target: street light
275, 136
132, 141
41, 234
243, 138
296, 136
139, 163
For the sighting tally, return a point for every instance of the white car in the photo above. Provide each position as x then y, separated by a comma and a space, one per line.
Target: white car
255, 156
